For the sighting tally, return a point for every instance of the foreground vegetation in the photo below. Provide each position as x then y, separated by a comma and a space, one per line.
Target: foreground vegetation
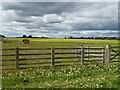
88, 76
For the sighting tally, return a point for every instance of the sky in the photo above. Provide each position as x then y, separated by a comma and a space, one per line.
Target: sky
60, 19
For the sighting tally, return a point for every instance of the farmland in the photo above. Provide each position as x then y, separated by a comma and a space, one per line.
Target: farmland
87, 76
66, 40
46, 43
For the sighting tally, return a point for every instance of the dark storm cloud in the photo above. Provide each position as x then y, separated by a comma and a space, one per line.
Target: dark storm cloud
39, 8
42, 8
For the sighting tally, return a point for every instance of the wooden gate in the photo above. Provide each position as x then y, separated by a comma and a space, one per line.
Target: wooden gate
106, 54
115, 54
93, 55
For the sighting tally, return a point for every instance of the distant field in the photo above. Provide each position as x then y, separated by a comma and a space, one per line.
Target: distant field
48, 43
67, 40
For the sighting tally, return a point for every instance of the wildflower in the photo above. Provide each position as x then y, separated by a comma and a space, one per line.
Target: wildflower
80, 83
97, 85
102, 78
76, 81
9, 74
88, 79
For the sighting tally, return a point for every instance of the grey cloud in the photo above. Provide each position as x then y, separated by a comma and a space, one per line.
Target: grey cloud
53, 18
59, 18
97, 25
39, 8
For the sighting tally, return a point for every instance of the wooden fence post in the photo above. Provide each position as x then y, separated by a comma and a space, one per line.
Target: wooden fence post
108, 54
88, 52
17, 59
103, 54
52, 56
82, 55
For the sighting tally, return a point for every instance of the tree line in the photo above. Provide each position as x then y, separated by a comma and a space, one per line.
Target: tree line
30, 36
25, 36
103, 38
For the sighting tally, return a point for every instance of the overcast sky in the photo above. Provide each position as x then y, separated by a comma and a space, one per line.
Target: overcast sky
60, 19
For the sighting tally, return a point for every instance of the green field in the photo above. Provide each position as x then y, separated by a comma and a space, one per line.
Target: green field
48, 43
67, 40
101, 76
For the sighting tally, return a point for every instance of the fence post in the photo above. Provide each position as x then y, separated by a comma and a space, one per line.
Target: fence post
17, 59
52, 56
103, 54
88, 52
82, 55
108, 54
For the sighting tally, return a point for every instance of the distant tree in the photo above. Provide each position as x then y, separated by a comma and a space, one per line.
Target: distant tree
118, 38
70, 37
2, 36
65, 37
88, 37
24, 36
81, 37
97, 38
42, 37
92, 37
30, 36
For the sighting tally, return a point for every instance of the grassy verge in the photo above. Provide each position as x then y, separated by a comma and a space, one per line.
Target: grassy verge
88, 76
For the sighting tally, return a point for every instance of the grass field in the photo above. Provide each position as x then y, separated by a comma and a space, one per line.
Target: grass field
101, 76
89, 76
48, 43
66, 40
